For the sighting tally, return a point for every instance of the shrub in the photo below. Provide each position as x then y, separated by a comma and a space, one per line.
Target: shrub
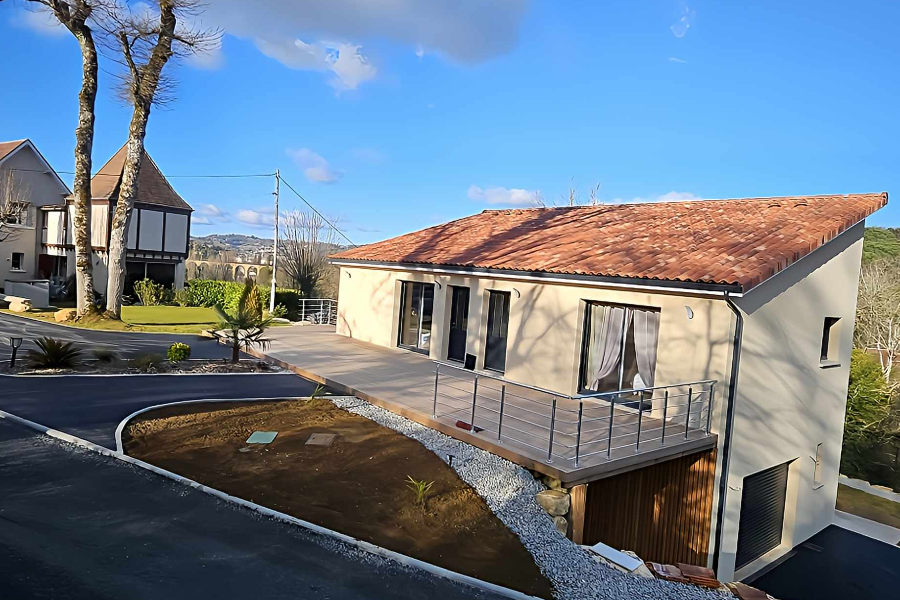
183, 297
178, 352
280, 312
251, 300
53, 354
146, 362
227, 294
149, 292
869, 411
105, 355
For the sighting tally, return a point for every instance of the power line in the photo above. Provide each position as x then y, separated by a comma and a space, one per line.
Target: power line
217, 176
313, 208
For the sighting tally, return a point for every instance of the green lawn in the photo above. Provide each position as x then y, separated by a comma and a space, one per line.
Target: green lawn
868, 506
153, 319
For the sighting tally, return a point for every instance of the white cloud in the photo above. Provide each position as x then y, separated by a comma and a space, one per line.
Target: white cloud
348, 66
502, 195
420, 52
209, 214
675, 59
314, 166
40, 20
200, 220
263, 218
672, 196
686, 18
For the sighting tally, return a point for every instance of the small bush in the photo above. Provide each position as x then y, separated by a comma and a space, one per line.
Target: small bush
146, 362
227, 294
419, 488
104, 355
149, 292
280, 312
53, 354
178, 352
183, 297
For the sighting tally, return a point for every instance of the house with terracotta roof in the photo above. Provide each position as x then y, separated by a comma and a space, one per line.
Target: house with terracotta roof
680, 368
28, 176
158, 234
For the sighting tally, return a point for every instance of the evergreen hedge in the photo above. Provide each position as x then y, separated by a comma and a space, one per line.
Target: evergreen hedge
227, 294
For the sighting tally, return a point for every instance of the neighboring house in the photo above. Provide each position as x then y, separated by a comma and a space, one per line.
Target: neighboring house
24, 168
158, 235
758, 295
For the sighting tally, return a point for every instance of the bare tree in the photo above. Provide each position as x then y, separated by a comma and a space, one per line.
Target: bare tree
571, 198
308, 240
878, 312
80, 17
146, 41
13, 202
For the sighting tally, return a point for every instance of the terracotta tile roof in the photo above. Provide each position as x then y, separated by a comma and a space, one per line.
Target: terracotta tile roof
153, 187
7, 147
733, 242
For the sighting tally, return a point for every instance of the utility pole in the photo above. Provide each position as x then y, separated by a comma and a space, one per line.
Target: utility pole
275, 243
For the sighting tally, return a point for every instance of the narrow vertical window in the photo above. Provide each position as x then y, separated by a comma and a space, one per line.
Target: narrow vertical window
828, 355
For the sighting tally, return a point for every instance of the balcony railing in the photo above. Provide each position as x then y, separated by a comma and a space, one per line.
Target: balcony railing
580, 430
322, 311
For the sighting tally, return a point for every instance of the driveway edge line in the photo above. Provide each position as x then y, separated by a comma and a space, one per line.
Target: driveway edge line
402, 559
285, 372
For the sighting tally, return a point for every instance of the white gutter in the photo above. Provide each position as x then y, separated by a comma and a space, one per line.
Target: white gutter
686, 290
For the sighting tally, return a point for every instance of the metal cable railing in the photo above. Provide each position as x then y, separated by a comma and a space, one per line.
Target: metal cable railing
321, 311
573, 427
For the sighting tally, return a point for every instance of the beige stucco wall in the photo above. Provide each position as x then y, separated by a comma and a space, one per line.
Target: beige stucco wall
786, 403
545, 324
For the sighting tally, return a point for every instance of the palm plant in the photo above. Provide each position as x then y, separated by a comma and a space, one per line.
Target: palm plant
53, 354
419, 488
243, 328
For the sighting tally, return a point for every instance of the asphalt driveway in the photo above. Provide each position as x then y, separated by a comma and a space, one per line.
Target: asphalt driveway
91, 407
77, 525
126, 344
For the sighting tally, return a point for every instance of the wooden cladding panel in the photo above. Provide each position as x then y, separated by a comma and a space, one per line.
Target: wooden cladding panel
662, 512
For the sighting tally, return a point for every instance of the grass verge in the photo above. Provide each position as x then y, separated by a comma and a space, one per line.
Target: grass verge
150, 319
868, 506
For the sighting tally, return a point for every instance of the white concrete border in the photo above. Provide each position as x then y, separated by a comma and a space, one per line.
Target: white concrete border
57, 324
284, 372
402, 559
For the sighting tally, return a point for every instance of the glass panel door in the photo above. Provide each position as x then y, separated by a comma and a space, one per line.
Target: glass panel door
498, 323
416, 307
459, 323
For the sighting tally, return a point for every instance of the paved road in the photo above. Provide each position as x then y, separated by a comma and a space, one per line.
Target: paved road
126, 344
92, 407
77, 525
835, 564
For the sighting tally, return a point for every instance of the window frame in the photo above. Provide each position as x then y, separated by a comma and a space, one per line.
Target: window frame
829, 347
12, 262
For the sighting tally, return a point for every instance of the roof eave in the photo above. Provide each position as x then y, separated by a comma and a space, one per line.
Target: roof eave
695, 287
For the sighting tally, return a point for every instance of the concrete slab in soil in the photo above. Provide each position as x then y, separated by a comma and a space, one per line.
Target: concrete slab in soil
321, 439
262, 437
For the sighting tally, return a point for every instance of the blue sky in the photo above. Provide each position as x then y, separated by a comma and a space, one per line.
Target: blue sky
395, 116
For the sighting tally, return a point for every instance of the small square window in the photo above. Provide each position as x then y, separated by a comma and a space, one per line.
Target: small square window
817, 474
828, 356
18, 259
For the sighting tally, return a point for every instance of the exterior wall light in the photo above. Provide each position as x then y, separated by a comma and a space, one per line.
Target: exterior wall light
689, 311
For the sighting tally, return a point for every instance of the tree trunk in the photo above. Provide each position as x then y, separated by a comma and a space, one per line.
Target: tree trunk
236, 352
128, 189
84, 141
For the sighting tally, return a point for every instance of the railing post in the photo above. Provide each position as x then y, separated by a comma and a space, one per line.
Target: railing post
437, 374
552, 425
709, 407
474, 400
665, 413
502, 404
578, 435
612, 414
637, 445
302, 309
687, 419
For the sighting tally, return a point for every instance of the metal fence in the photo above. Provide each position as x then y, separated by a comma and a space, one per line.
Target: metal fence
585, 428
322, 311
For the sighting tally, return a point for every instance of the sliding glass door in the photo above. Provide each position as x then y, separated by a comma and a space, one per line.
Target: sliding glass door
619, 350
416, 307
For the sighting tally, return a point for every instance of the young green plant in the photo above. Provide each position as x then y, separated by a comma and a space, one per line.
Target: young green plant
419, 488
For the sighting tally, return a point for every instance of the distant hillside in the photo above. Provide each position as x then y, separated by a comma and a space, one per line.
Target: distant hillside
233, 241
881, 243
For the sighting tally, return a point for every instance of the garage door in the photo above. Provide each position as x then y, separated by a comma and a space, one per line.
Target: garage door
762, 514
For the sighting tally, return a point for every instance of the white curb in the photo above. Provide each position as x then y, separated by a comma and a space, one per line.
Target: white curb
274, 514
76, 374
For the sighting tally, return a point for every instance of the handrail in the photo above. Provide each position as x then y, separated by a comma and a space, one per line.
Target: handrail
548, 432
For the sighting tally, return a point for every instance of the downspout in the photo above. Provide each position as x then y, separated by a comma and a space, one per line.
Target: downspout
729, 423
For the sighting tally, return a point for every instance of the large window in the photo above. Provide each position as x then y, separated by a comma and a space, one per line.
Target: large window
619, 351
416, 306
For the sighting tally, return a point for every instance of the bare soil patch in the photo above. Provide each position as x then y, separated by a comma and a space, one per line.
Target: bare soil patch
355, 486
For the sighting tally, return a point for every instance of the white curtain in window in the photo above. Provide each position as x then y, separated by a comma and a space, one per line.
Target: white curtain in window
605, 350
646, 336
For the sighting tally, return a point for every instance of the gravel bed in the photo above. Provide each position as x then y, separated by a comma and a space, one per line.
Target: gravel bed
509, 491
